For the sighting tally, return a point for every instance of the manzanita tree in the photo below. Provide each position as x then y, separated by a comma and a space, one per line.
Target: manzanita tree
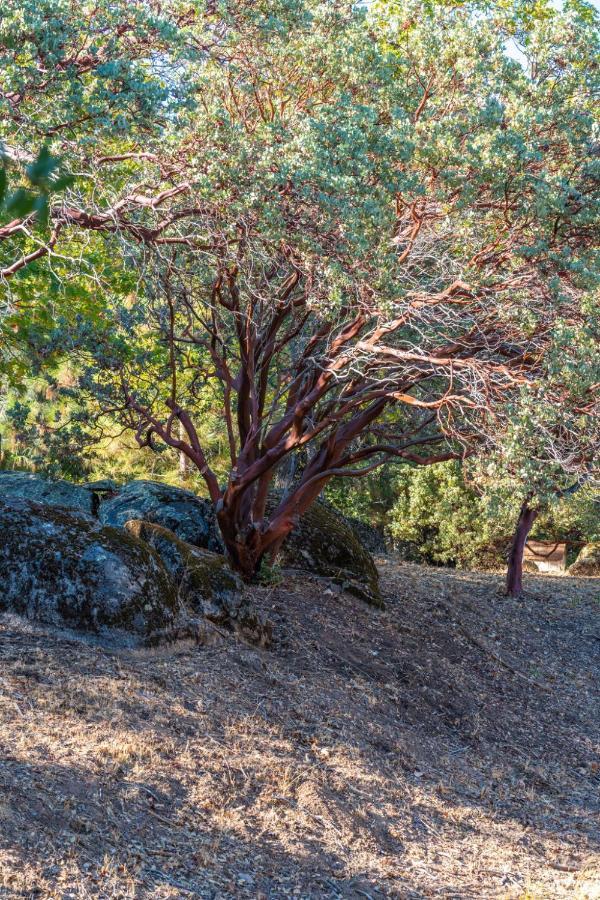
549, 451
361, 240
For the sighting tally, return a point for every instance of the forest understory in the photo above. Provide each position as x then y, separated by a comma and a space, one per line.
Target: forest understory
447, 746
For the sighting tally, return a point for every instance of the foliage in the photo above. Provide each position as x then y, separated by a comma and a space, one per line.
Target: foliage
80, 81
366, 499
438, 518
443, 516
342, 233
269, 574
42, 178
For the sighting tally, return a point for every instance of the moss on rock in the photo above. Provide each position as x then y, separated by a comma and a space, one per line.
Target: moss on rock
34, 487
189, 517
322, 542
206, 583
67, 570
588, 561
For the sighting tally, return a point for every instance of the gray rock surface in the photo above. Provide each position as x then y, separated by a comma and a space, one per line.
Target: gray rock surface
189, 517
69, 570
30, 486
323, 542
588, 561
206, 584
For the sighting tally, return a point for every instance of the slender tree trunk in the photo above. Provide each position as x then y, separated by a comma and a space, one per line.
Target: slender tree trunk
514, 576
183, 460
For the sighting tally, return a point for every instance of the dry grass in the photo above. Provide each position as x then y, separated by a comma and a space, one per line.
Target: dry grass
447, 747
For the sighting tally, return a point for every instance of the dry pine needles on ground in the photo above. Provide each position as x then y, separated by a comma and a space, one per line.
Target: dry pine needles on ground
444, 747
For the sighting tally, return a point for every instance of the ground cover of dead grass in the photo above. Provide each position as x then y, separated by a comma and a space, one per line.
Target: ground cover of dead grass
445, 747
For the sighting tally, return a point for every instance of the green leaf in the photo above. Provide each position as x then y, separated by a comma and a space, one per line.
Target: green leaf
40, 171
21, 203
65, 181
41, 208
3, 185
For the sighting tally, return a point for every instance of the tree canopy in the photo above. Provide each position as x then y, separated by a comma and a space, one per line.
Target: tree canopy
363, 234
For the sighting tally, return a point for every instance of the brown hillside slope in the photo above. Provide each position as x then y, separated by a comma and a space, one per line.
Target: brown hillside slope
445, 747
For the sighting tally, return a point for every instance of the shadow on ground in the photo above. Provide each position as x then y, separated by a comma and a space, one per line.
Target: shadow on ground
446, 747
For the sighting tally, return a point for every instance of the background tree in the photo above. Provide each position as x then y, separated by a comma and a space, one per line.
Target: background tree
453, 514
549, 452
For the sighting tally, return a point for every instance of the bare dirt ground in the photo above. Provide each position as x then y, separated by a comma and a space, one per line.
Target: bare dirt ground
446, 747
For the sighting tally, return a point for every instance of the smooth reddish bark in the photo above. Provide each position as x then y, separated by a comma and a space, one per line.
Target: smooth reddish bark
514, 576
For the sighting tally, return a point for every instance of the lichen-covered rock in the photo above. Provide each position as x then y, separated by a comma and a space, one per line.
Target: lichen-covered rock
323, 543
30, 486
588, 561
102, 486
204, 580
67, 570
189, 517
206, 583
371, 537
